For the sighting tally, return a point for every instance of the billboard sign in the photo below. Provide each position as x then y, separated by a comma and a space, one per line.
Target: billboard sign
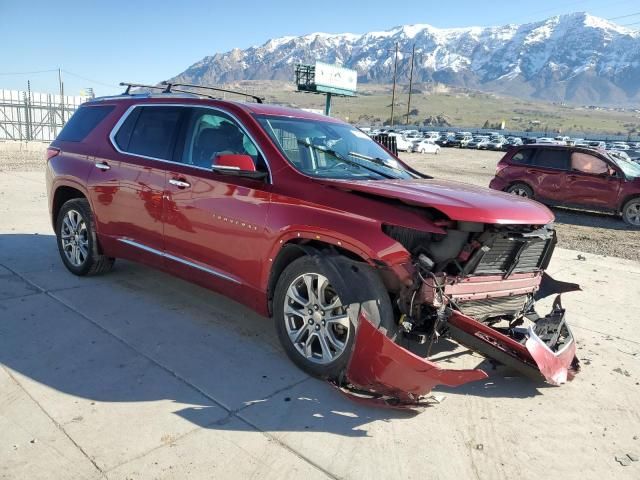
334, 77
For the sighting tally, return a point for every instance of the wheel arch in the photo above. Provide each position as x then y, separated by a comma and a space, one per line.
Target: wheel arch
62, 194
300, 247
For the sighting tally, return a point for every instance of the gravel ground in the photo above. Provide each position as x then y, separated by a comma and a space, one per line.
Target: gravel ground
584, 231
587, 232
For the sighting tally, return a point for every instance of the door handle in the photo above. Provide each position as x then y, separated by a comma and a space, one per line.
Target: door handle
179, 183
104, 166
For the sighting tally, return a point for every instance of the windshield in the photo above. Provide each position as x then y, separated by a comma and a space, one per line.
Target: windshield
331, 150
630, 168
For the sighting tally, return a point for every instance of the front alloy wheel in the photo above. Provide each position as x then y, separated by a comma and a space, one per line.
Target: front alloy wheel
316, 327
317, 323
631, 212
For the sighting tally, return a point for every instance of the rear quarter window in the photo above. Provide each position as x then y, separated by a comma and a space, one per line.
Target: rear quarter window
149, 131
522, 157
83, 122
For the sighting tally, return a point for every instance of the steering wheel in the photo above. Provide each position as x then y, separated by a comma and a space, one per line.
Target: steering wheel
344, 165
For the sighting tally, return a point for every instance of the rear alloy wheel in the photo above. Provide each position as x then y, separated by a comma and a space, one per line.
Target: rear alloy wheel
77, 241
521, 190
631, 212
315, 327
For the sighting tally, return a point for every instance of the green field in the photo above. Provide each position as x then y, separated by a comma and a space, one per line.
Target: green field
460, 107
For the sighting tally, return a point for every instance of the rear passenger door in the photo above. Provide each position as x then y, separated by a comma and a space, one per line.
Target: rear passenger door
145, 139
547, 173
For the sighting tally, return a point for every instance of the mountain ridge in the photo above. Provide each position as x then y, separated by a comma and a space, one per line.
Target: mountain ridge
574, 58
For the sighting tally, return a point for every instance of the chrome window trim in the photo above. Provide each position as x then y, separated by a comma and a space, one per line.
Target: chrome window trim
210, 271
118, 125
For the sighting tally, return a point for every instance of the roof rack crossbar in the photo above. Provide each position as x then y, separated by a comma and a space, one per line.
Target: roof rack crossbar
169, 85
137, 85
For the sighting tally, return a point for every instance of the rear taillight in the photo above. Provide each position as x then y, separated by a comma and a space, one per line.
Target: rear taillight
52, 152
500, 167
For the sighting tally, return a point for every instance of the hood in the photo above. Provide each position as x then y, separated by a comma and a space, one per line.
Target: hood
458, 201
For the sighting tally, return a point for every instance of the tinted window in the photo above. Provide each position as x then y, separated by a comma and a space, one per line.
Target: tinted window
153, 133
549, 158
123, 136
522, 157
83, 122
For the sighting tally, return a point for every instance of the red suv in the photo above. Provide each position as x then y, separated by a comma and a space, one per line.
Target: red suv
575, 177
305, 219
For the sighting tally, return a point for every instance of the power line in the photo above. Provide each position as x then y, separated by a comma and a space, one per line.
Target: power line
29, 73
91, 80
624, 16
629, 24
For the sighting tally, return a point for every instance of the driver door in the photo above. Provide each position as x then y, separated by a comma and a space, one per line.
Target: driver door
592, 182
215, 221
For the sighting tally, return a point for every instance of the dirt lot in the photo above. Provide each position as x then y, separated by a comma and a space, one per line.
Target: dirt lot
588, 232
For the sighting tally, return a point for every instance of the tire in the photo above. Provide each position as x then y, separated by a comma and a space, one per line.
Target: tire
437, 151
77, 241
521, 190
631, 212
299, 331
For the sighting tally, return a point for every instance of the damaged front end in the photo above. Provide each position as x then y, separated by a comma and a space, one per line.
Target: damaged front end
477, 285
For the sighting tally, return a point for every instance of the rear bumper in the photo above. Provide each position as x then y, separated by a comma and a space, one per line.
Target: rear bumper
497, 183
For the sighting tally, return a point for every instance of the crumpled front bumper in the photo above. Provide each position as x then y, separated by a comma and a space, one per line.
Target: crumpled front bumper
382, 367
396, 377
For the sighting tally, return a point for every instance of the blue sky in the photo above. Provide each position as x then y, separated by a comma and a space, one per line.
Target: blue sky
110, 41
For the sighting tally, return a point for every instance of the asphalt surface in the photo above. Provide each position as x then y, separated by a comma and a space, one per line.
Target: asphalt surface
137, 374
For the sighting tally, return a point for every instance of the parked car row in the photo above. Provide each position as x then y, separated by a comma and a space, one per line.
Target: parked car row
497, 141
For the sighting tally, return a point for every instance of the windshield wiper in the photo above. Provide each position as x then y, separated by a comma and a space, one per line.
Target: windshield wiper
342, 158
379, 161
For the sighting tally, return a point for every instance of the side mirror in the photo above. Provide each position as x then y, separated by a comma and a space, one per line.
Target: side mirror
233, 162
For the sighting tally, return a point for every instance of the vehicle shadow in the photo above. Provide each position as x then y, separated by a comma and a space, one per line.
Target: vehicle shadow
590, 219
85, 338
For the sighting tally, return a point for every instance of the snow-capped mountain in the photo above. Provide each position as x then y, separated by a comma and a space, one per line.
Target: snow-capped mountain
575, 58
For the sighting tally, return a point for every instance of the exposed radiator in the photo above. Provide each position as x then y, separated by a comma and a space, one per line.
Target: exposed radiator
504, 252
493, 307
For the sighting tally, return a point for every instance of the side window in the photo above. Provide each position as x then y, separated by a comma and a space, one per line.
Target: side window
522, 157
212, 133
550, 158
583, 162
150, 132
83, 122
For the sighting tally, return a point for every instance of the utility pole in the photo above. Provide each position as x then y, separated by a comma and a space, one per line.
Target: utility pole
393, 92
61, 86
413, 52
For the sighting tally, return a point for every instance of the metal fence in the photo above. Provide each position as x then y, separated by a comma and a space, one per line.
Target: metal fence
31, 116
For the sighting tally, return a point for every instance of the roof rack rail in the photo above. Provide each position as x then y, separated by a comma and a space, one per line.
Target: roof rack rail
170, 85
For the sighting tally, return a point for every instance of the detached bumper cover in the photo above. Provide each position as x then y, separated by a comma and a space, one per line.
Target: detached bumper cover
380, 366
393, 376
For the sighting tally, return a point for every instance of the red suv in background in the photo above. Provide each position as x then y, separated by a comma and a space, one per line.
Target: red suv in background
575, 177
305, 219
